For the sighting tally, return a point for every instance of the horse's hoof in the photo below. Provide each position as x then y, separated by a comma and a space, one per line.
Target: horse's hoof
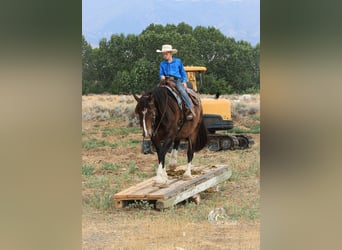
160, 184
187, 177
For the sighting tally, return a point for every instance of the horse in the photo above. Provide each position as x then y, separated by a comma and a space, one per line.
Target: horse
162, 120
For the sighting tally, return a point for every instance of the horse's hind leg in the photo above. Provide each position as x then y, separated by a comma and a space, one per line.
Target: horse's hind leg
173, 157
187, 175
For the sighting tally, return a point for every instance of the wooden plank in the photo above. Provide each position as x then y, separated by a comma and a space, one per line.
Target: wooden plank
143, 190
142, 193
195, 181
162, 191
203, 169
178, 189
162, 203
203, 186
118, 203
159, 192
139, 186
151, 192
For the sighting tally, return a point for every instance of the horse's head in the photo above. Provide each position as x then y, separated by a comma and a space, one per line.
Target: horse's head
146, 111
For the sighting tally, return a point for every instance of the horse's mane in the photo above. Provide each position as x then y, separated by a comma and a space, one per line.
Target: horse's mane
162, 98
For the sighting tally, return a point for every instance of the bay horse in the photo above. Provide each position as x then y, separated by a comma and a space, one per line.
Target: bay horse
164, 122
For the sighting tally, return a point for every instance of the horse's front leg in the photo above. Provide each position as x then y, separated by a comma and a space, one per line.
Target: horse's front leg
173, 157
190, 153
161, 178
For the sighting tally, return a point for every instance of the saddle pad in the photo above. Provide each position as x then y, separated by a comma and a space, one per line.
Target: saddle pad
194, 97
179, 100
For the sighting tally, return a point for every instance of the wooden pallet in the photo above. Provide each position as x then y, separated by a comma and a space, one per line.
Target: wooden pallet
178, 190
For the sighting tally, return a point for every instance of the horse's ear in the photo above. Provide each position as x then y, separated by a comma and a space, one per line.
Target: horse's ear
136, 97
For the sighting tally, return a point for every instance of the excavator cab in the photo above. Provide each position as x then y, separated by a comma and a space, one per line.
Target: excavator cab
193, 73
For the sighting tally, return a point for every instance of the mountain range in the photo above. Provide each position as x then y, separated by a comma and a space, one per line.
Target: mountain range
239, 19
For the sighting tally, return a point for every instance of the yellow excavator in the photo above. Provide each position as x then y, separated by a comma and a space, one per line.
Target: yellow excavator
217, 116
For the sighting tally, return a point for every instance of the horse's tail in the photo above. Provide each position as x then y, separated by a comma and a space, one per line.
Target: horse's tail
202, 137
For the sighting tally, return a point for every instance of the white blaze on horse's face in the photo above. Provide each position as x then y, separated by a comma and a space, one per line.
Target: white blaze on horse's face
147, 127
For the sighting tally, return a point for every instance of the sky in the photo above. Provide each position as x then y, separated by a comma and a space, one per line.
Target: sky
239, 19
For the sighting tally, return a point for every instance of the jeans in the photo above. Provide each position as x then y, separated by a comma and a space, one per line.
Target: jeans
184, 93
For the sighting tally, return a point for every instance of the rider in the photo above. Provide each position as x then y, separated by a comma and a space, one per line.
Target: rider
173, 68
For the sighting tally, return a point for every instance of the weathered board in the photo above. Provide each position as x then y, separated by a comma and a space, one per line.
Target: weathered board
178, 189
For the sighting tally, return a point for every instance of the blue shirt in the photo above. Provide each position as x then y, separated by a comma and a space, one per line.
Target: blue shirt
174, 68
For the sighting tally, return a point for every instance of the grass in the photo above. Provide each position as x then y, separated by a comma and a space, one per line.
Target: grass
103, 186
249, 212
249, 124
109, 166
249, 129
111, 131
254, 117
101, 199
102, 190
87, 169
94, 143
132, 168
97, 181
130, 143
255, 129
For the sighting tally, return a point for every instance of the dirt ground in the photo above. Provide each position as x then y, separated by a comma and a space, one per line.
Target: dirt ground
114, 231
186, 225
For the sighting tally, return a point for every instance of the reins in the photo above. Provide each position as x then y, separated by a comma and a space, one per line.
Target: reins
156, 130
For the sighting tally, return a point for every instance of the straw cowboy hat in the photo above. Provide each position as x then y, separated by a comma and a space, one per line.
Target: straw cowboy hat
167, 48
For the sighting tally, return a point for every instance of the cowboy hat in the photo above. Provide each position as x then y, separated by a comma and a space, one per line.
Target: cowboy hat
167, 48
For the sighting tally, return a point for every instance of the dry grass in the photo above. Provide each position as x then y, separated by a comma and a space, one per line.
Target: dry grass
151, 231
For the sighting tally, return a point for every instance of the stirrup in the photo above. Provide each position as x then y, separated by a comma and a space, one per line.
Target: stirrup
189, 117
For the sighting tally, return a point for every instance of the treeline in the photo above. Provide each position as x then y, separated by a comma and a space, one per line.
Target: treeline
130, 64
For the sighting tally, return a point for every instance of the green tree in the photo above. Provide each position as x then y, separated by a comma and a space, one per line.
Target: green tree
241, 71
89, 67
127, 64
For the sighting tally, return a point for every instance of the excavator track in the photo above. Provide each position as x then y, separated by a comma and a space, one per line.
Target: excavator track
216, 142
245, 141
219, 142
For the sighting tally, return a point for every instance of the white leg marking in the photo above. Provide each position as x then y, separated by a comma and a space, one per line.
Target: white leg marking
173, 157
188, 170
164, 174
160, 169
144, 122
161, 174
